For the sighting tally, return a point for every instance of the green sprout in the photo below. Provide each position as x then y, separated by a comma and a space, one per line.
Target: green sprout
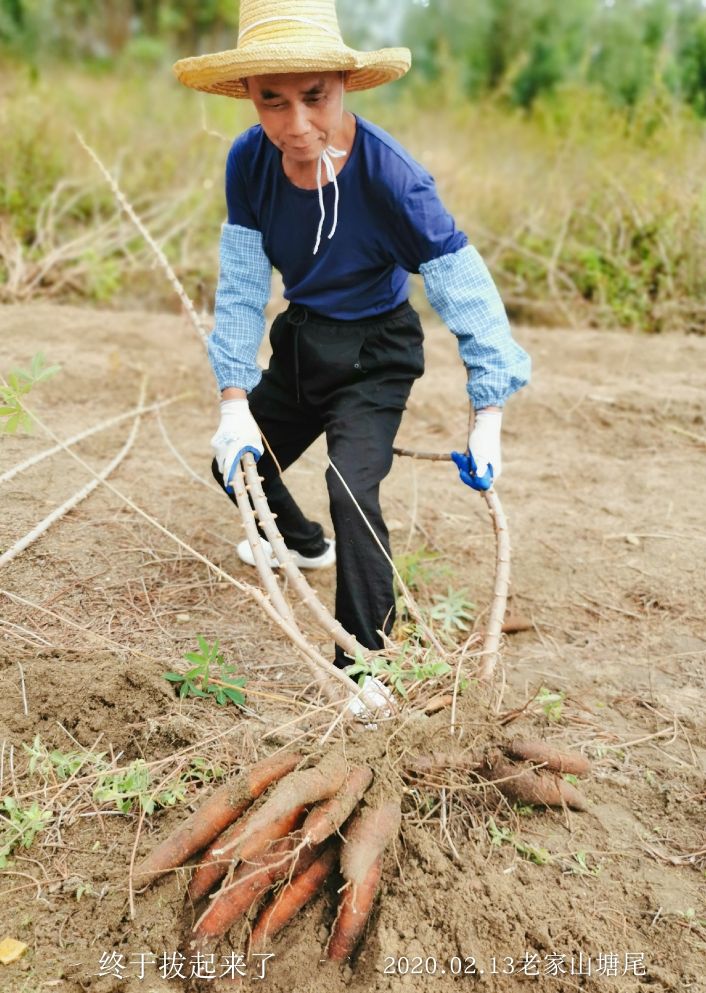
503, 836
396, 672
19, 826
582, 868
551, 702
13, 416
454, 610
225, 688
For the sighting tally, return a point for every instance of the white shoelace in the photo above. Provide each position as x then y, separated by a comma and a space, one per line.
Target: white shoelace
325, 159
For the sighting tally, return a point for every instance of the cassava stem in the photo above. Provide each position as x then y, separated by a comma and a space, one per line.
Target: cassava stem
501, 585
350, 645
263, 566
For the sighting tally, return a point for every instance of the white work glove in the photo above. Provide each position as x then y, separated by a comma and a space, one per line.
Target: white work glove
484, 442
483, 465
237, 434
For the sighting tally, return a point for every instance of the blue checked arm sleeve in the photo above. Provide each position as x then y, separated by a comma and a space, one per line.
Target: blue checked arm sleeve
462, 292
243, 290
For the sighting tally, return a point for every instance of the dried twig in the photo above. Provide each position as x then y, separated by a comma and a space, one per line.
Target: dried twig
24, 689
169, 272
699, 439
210, 484
77, 497
88, 433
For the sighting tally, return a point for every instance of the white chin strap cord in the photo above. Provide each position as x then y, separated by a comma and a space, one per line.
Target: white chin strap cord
325, 160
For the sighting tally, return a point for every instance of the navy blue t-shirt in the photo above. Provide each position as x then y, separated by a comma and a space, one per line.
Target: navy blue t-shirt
390, 221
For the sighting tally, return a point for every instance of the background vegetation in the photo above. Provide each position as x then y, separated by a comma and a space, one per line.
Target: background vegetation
569, 139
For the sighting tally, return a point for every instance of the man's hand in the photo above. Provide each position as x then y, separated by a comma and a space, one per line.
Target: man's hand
483, 464
237, 433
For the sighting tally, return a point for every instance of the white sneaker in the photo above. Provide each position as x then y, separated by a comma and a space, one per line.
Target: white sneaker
323, 561
379, 697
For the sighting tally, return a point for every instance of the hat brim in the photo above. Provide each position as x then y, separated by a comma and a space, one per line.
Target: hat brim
224, 72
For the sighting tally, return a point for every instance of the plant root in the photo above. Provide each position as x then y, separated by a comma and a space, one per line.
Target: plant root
353, 912
522, 784
251, 880
223, 807
287, 839
361, 866
293, 897
286, 845
544, 753
328, 817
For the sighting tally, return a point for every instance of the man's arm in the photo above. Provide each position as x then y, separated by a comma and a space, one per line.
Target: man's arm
243, 291
461, 290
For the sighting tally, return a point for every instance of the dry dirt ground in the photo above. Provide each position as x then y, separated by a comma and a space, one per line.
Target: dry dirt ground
604, 486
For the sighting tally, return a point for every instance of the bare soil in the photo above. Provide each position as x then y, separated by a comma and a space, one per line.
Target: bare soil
603, 484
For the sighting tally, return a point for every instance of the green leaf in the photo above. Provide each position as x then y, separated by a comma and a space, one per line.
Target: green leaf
13, 422
235, 696
196, 671
358, 668
197, 659
47, 373
173, 677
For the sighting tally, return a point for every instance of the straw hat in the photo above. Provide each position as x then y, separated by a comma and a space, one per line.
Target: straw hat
278, 36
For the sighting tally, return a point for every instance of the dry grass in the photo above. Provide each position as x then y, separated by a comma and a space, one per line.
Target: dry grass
576, 207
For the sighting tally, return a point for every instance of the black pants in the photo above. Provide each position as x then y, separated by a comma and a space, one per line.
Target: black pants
351, 380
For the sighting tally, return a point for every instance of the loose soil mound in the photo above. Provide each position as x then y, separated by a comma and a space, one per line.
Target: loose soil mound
603, 485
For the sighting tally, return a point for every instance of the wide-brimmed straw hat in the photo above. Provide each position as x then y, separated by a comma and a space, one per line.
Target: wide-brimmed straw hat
278, 36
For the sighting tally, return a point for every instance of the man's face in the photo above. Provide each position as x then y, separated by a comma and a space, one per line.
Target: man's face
299, 112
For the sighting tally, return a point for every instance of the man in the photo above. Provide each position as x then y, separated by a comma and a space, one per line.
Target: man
345, 214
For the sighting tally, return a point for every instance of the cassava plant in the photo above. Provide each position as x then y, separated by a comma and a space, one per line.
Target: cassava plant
282, 819
13, 416
293, 829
